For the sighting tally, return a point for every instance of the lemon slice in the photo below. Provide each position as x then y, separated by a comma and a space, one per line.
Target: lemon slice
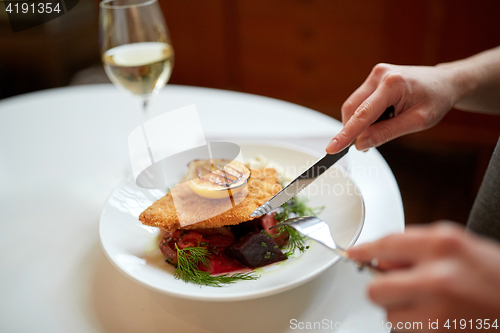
217, 178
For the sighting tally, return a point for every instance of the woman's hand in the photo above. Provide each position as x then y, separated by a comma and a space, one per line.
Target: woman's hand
435, 272
421, 96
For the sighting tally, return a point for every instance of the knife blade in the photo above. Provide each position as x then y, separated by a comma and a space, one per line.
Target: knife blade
310, 175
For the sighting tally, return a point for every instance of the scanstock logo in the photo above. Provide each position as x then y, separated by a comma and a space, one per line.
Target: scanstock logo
25, 14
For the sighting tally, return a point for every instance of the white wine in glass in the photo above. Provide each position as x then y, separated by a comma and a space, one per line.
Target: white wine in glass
141, 68
135, 46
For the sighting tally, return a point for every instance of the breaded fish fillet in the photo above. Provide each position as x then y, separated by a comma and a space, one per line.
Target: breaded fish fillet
261, 186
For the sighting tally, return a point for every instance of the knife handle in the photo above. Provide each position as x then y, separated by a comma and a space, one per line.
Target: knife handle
388, 114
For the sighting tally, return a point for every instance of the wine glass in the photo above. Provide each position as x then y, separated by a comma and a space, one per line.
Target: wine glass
135, 46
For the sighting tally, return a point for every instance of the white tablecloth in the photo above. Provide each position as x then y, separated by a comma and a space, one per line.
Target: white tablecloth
61, 153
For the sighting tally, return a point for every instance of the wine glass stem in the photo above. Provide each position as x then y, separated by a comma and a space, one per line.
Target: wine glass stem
144, 119
145, 103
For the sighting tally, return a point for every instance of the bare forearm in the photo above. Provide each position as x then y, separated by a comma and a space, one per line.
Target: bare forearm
477, 80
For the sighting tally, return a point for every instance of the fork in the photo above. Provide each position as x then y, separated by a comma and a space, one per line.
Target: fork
319, 231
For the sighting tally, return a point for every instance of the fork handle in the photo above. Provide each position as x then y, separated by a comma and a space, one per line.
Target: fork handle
370, 266
388, 114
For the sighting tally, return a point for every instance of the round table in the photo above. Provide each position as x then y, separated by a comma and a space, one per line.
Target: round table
61, 153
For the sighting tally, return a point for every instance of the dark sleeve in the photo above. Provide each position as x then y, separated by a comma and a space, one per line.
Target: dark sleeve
484, 218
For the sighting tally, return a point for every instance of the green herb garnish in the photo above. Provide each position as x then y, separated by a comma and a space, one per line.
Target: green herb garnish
187, 270
295, 207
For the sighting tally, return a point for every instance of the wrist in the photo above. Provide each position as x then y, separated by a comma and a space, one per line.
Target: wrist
475, 81
461, 78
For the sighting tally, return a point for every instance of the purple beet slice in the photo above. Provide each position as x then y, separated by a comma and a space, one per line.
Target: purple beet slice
255, 250
244, 228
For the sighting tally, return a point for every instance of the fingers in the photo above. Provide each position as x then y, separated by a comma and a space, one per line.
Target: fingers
382, 250
388, 265
400, 248
419, 243
398, 289
365, 115
364, 91
357, 97
382, 132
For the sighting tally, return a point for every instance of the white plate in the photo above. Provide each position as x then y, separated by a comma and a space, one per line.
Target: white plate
126, 241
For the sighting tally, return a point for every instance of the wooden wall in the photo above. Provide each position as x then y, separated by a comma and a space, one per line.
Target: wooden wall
317, 52
48, 55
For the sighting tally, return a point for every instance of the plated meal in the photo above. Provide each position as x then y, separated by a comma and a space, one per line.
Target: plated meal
224, 247
134, 248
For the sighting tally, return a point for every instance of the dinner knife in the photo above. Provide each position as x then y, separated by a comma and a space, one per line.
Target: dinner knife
310, 175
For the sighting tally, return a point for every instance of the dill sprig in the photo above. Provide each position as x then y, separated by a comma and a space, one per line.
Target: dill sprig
187, 270
293, 208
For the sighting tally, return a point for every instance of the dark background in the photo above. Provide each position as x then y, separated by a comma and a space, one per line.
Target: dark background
310, 52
